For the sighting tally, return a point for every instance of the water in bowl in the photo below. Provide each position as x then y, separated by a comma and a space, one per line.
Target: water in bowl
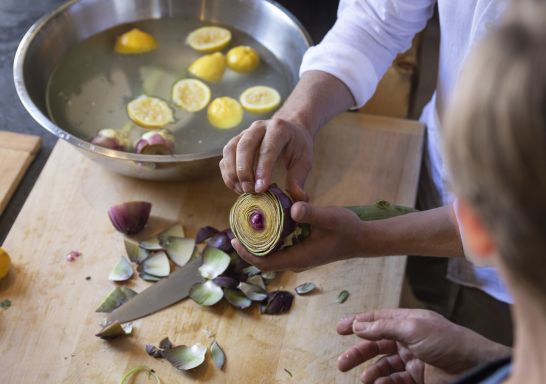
92, 85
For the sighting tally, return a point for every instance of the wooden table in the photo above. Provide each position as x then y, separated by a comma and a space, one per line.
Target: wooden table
47, 335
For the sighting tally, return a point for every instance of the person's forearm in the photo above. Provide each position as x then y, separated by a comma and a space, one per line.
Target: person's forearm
427, 233
317, 98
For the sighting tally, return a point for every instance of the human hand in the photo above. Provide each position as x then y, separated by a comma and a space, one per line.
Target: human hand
410, 340
332, 238
249, 158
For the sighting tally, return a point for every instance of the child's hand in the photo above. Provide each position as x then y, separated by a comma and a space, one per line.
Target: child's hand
410, 340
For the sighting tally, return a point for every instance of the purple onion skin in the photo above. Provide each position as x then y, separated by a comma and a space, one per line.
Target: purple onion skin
226, 281
205, 233
165, 343
131, 217
108, 142
153, 351
229, 234
278, 302
221, 241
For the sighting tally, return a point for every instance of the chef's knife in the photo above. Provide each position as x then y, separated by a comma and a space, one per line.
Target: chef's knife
162, 294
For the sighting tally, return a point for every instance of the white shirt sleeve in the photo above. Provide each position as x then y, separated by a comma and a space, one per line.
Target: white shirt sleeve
365, 40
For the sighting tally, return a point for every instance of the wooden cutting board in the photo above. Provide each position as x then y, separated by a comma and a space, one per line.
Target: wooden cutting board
16, 153
47, 335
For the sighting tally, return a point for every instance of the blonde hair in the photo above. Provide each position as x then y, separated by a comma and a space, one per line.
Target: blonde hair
495, 140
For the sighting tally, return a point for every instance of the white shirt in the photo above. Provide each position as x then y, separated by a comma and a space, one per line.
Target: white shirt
363, 43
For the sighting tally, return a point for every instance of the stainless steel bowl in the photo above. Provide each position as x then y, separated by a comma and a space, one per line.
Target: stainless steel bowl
54, 34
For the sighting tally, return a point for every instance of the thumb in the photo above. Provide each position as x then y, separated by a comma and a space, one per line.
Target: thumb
303, 212
405, 331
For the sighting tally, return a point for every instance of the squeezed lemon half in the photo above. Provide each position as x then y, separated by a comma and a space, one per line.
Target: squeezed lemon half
190, 94
135, 41
209, 39
225, 112
260, 99
5, 263
209, 67
150, 112
243, 59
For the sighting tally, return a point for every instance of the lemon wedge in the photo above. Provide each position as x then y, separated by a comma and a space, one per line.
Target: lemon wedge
260, 99
150, 112
190, 94
225, 112
5, 263
209, 67
209, 39
243, 59
135, 41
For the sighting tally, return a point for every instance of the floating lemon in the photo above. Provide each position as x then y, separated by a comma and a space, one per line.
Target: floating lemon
209, 67
209, 39
243, 59
190, 94
260, 99
225, 112
135, 41
5, 263
150, 112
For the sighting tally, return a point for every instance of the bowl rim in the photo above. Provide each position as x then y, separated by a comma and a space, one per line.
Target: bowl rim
48, 124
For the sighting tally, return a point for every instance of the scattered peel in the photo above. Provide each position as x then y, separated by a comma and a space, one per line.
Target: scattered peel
217, 354
115, 329
115, 298
122, 271
186, 358
131, 217
215, 262
157, 265
305, 288
179, 249
237, 298
206, 294
342, 297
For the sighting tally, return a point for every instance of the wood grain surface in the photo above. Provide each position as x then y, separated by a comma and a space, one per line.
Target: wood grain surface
47, 335
16, 153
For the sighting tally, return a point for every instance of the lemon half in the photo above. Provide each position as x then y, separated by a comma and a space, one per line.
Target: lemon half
190, 94
225, 113
209, 67
243, 59
5, 263
260, 99
150, 112
209, 39
135, 41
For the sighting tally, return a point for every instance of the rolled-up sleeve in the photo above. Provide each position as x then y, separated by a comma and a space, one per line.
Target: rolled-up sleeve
365, 40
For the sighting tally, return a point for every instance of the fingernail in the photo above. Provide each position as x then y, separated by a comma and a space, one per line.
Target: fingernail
359, 326
260, 185
247, 187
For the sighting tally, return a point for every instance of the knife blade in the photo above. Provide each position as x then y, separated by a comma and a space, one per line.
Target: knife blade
162, 294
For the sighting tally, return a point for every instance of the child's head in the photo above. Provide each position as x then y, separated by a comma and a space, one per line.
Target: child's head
495, 141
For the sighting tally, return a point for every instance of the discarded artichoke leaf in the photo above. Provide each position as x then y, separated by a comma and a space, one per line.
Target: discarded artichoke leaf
205, 233
153, 351
148, 277
253, 292
186, 358
257, 280
5, 304
127, 377
221, 240
217, 354
157, 264
175, 231
115, 298
166, 343
226, 281
252, 271
215, 262
269, 275
131, 217
305, 288
134, 252
278, 302
342, 297
179, 249
122, 271
237, 298
115, 329
206, 294
151, 245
